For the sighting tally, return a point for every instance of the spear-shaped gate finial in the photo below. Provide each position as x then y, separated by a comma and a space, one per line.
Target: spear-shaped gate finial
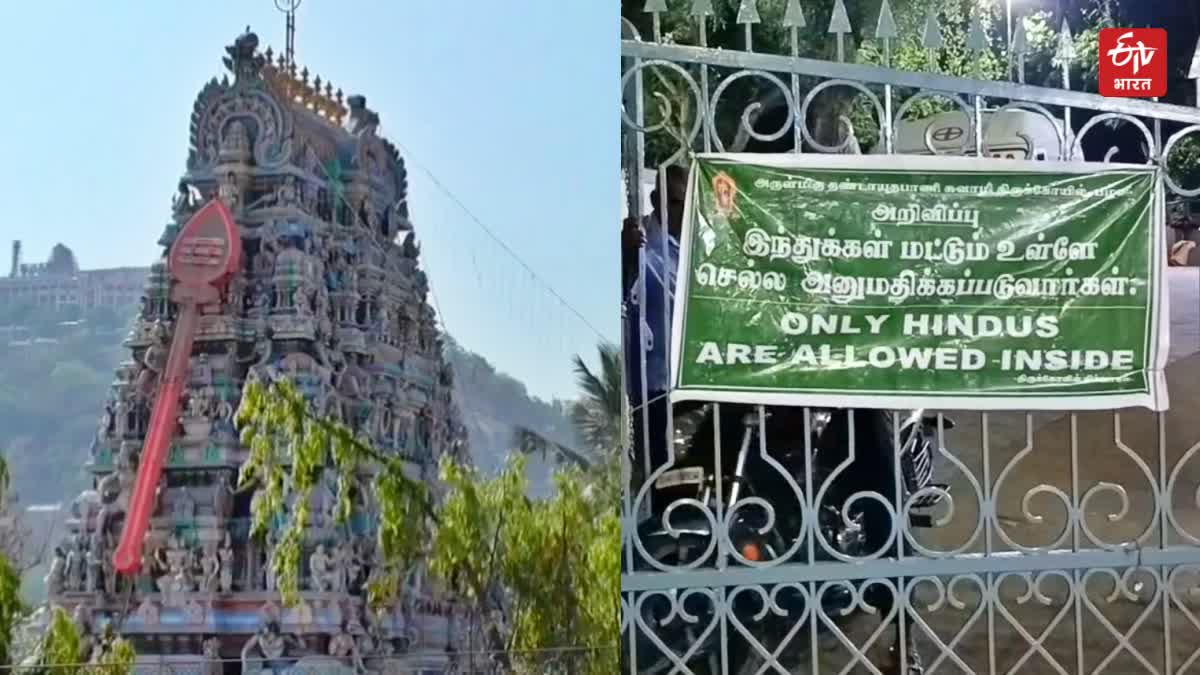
839, 24
748, 16
931, 35
1065, 53
886, 30
977, 41
1020, 49
1194, 71
793, 16
793, 20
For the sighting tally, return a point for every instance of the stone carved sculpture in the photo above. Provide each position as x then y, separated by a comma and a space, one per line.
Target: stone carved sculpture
98, 563
287, 194
223, 497
211, 648
194, 612
106, 427
268, 646
344, 646
324, 570
200, 403
355, 562
75, 565
184, 507
210, 568
177, 581
148, 612
225, 556
104, 553
270, 579
56, 576
153, 361
183, 205
223, 421
235, 144
229, 192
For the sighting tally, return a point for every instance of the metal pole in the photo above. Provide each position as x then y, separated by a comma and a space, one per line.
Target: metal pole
1008, 29
1008, 21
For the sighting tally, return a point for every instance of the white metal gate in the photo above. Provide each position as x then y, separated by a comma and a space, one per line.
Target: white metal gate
1069, 543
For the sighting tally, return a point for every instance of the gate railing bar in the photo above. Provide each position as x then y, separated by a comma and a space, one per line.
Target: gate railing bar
900, 78
972, 563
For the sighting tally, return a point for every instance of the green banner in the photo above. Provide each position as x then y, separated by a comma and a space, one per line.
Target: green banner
907, 282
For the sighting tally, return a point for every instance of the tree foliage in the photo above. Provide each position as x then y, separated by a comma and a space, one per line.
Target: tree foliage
12, 608
290, 450
482, 538
597, 414
64, 650
548, 569
62, 646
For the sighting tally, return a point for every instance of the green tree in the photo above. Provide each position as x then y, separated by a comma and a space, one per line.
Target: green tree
549, 568
62, 647
483, 539
290, 450
62, 650
597, 415
12, 608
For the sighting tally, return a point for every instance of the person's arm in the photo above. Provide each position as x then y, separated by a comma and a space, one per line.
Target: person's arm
632, 239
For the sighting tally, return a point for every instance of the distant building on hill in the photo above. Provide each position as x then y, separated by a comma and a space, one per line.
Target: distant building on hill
59, 282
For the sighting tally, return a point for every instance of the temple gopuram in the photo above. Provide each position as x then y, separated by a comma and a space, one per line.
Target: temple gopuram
327, 292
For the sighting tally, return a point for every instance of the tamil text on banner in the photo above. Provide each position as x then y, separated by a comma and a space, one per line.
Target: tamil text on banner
903, 282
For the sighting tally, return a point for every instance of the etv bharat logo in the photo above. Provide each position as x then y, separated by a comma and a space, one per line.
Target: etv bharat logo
1133, 62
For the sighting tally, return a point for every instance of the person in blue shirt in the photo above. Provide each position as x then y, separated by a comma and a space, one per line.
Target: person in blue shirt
650, 262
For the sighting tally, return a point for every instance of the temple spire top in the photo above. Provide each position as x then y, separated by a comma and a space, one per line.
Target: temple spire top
289, 7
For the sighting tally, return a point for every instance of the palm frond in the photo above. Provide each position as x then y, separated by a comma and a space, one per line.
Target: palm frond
597, 415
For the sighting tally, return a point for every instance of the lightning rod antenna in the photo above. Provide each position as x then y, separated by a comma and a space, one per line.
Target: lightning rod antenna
289, 7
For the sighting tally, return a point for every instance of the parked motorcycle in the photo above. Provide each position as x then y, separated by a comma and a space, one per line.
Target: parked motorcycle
853, 455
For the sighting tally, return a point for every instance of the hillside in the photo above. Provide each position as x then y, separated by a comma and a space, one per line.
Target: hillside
55, 371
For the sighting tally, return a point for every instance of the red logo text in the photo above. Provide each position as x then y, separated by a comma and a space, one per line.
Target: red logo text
1133, 62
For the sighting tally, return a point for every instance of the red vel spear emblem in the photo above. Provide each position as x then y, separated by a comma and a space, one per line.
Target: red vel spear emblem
207, 252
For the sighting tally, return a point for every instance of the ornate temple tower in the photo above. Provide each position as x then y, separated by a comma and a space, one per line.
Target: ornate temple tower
329, 294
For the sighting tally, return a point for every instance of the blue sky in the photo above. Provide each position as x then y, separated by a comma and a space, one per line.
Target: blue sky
511, 105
